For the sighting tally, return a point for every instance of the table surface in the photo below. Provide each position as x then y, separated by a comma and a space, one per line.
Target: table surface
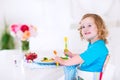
42, 72
25, 71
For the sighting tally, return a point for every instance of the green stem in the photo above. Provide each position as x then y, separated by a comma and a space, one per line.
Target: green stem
25, 45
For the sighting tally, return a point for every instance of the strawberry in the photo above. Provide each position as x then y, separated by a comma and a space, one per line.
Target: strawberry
31, 56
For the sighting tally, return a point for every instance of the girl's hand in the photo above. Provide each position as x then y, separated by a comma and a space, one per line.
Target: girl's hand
57, 59
66, 51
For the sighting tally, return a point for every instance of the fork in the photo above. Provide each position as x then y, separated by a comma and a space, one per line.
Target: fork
55, 52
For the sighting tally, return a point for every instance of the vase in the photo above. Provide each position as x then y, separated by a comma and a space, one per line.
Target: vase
25, 46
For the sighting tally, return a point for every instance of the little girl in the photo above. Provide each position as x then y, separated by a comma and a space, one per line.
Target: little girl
91, 61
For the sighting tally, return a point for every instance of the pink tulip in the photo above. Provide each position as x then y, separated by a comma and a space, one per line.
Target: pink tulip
14, 28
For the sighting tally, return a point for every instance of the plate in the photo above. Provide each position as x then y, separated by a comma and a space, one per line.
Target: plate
44, 63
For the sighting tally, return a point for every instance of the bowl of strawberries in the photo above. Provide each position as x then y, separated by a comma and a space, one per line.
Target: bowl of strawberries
30, 56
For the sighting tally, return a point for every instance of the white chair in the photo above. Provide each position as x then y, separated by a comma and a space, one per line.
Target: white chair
108, 70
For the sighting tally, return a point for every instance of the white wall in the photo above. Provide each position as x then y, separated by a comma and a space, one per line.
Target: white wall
55, 19
114, 48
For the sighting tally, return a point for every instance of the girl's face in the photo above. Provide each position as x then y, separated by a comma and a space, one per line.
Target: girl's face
89, 29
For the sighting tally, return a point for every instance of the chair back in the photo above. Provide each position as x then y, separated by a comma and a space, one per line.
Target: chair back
105, 65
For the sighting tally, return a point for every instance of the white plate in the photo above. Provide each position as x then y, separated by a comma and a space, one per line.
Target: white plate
45, 63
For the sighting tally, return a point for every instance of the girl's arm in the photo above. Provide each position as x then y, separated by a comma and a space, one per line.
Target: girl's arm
76, 59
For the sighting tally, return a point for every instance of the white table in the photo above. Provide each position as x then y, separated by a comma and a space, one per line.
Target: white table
43, 73
23, 71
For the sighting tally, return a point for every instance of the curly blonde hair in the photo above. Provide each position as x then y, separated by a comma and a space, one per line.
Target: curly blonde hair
102, 31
